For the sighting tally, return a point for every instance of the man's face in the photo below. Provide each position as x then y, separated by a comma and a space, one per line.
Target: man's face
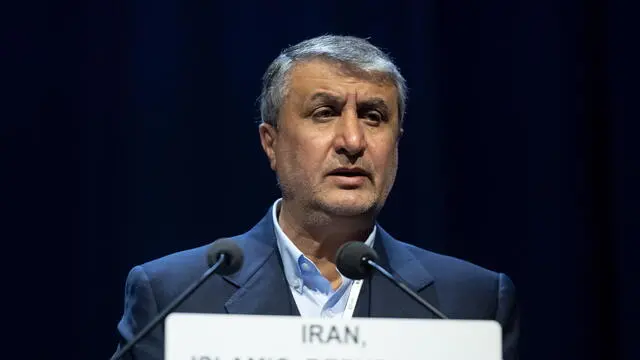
335, 146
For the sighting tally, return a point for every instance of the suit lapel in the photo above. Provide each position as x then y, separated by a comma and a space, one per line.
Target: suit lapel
262, 286
265, 293
364, 300
383, 299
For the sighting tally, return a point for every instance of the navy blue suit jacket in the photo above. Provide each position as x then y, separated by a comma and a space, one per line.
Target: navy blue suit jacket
459, 289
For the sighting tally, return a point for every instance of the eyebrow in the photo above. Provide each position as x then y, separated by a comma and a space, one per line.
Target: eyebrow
325, 97
371, 103
375, 103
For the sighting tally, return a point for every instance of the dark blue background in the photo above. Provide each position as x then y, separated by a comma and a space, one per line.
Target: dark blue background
519, 155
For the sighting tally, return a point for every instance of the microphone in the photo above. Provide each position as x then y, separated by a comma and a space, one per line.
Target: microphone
223, 257
355, 259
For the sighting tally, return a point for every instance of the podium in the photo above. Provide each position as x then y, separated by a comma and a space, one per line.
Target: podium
191, 336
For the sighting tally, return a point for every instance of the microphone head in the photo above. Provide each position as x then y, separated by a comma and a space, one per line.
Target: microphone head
351, 259
233, 256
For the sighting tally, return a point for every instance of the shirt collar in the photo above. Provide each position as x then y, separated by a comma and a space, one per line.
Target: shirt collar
291, 255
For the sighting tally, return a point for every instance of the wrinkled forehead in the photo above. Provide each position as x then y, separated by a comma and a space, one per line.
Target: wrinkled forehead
306, 74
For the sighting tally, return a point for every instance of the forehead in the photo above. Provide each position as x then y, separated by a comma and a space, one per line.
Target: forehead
309, 77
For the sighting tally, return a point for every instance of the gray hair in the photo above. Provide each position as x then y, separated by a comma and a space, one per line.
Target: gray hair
352, 51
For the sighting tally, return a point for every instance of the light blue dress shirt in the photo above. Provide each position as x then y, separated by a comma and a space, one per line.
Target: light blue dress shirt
311, 291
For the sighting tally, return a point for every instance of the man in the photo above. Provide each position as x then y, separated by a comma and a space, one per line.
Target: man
332, 110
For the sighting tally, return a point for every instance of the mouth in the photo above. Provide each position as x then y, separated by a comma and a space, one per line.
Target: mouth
349, 178
349, 172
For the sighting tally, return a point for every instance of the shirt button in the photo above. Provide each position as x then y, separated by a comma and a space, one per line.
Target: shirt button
306, 267
296, 283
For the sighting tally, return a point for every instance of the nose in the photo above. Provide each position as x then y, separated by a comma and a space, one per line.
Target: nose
350, 137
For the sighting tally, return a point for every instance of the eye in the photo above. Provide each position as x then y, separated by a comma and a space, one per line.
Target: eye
374, 116
324, 112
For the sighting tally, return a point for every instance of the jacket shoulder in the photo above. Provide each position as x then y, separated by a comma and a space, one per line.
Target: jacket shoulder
467, 290
453, 270
176, 270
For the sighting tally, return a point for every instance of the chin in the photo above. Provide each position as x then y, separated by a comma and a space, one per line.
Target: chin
347, 205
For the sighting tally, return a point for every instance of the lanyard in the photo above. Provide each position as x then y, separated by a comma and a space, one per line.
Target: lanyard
352, 300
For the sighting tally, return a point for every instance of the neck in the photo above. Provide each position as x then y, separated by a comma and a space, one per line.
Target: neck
319, 236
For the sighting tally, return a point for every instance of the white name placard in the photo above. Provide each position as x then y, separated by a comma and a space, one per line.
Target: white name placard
258, 337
